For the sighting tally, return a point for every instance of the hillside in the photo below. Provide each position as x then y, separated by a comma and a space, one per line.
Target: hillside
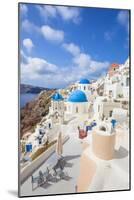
33, 112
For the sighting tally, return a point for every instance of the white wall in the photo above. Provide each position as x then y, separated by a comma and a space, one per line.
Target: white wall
104, 107
116, 89
82, 107
96, 103
109, 106
86, 89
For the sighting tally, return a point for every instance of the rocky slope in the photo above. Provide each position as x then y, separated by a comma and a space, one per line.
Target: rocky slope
33, 112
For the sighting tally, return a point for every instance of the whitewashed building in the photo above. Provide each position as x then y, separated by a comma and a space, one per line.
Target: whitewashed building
117, 86
120, 115
76, 103
103, 107
84, 85
56, 111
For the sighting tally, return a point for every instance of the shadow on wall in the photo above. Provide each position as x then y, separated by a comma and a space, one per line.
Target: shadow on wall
121, 153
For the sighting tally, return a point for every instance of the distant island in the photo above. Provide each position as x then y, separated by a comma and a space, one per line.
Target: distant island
24, 88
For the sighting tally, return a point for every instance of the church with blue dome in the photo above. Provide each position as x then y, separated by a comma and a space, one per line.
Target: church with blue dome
76, 102
84, 85
57, 97
56, 111
77, 96
84, 81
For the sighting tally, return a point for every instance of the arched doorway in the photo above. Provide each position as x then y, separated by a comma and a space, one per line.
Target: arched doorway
110, 113
56, 117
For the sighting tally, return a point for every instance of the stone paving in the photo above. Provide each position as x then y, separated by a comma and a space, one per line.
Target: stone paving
72, 150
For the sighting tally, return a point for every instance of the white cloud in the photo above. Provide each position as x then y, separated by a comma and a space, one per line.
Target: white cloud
23, 9
52, 34
29, 27
66, 13
28, 44
98, 66
123, 19
72, 48
35, 68
82, 60
48, 74
47, 11
48, 32
42, 72
79, 58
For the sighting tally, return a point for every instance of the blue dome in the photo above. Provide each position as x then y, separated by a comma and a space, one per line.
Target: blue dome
57, 97
77, 96
84, 81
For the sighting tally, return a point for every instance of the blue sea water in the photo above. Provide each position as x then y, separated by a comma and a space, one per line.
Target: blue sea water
25, 98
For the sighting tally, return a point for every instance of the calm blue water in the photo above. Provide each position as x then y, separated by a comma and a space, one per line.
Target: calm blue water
25, 98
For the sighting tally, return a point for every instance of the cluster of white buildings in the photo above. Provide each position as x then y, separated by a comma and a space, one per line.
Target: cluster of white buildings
108, 98
117, 81
96, 111
76, 102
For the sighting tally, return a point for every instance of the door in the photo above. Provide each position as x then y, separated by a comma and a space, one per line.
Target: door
77, 109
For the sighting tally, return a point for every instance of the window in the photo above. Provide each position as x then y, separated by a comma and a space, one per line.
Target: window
110, 113
110, 92
76, 109
84, 87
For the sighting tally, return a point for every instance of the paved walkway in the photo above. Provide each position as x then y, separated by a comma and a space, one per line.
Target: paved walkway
72, 150
85, 170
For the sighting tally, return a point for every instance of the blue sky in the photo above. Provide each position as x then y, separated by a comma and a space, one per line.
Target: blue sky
60, 45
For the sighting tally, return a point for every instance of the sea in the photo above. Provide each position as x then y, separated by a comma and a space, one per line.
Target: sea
26, 97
